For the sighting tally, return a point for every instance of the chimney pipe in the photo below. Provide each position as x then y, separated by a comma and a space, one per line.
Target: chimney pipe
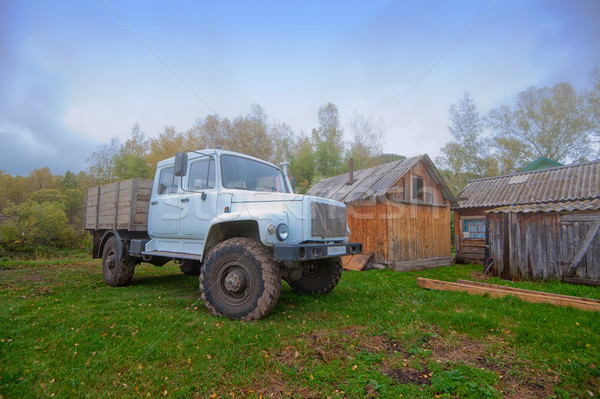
351, 172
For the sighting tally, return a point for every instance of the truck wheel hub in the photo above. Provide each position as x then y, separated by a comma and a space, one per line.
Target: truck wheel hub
110, 261
235, 281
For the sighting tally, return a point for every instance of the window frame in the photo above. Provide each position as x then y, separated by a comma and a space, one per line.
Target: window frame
463, 230
227, 185
211, 162
173, 184
418, 194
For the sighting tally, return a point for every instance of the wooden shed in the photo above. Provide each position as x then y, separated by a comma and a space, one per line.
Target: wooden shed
539, 225
400, 211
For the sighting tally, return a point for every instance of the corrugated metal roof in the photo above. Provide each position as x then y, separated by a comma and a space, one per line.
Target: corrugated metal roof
567, 206
566, 183
375, 182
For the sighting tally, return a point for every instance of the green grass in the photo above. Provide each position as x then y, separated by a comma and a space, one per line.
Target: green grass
63, 332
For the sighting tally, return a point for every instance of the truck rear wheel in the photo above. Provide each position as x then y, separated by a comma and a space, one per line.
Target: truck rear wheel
240, 280
318, 276
190, 267
117, 272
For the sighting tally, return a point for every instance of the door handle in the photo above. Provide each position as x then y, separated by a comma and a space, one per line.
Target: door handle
154, 202
185, 200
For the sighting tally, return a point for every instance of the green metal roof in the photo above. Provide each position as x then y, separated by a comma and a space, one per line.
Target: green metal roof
541, 163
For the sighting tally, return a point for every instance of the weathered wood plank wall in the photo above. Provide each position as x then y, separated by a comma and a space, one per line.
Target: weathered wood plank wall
418, 232
541, 246
398, 232
397, 229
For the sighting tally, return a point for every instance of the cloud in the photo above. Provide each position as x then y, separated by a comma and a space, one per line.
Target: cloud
32, 132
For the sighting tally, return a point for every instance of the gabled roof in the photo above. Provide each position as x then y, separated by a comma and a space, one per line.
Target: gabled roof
577, 182
376, 182
541, 163
569, 206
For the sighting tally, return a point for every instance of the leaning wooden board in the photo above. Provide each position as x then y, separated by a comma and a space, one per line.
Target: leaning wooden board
472, 287
118, 206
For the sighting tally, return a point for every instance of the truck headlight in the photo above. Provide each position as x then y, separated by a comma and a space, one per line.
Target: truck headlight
283, 231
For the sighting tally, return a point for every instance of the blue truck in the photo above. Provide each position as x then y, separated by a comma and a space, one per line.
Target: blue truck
230, 218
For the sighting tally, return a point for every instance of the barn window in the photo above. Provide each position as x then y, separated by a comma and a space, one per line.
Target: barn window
474, 228
417, 188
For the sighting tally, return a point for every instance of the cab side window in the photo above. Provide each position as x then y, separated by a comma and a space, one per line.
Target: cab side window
202, 175
168, 182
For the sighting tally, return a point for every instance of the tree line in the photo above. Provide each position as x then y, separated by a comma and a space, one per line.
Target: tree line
558, 122
321, 154
42, 212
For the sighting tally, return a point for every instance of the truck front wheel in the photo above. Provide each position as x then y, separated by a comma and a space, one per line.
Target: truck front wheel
240, 280
318, 276
116, 271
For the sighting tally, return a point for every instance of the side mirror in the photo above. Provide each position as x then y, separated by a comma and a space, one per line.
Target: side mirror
293, 182
181, 160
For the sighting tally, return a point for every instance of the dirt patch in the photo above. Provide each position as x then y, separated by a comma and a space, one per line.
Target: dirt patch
316, 347
323, 346
393, 347
515, 379
401, 364
28, 283
479, 276
464, 350
408, 375
276, 386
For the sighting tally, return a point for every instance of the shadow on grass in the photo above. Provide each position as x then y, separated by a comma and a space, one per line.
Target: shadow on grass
164, 279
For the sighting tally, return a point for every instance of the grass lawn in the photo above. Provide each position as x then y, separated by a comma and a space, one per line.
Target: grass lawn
64, 333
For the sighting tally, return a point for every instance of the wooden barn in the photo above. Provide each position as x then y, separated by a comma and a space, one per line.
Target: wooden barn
400, 211
538, 225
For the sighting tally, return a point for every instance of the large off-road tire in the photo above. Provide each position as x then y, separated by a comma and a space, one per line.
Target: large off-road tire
318, 276
116, 271
240, 280
190, 267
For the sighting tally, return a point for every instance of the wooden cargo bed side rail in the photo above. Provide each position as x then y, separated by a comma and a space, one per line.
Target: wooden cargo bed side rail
133, 202
116, 212
91, 211
118, 206
497, 291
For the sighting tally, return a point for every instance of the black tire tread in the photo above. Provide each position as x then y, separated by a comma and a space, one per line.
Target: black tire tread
124, 270
303, 286
270, 273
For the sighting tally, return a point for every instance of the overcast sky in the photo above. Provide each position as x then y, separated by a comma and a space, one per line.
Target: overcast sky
74, 74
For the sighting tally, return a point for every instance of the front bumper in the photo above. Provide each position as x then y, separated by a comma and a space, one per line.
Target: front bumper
315, 251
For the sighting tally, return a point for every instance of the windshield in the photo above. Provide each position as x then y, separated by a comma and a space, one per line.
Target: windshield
246, 174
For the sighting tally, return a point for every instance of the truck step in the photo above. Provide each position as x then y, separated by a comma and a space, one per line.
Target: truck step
174, 255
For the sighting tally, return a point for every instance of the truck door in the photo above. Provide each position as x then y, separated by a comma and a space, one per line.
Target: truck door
163, 213
199, 200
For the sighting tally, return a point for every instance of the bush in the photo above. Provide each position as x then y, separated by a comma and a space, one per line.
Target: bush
34, 225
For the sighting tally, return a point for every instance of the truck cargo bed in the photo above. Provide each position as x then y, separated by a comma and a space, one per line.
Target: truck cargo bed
118, 206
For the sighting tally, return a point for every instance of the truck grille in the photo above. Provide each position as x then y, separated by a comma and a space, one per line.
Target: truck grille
328, 220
